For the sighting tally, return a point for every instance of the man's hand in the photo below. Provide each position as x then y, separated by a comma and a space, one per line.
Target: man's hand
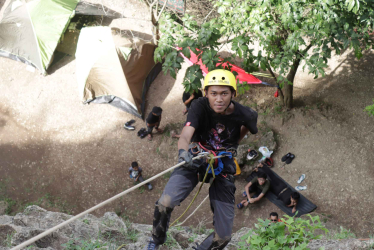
136, 179
250, 200
185, 156
294, 210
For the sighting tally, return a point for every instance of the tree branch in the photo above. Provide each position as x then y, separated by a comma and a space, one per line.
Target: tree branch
163, 7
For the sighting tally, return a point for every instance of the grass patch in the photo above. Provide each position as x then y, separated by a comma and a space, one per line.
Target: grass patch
342, 234
170, 242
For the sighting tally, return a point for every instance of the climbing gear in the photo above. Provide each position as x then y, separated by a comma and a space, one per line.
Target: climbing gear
238, 170
211, 161
48, 231
220, 166
269, 162
185, 156
302, 177
252, 154
152, 245
220, 77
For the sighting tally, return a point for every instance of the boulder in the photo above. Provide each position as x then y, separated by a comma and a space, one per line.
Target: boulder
268, 140
242, 151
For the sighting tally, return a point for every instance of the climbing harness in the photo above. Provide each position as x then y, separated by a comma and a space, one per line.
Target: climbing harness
210, 167
39, 236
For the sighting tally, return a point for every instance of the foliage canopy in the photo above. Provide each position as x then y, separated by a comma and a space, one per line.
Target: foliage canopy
290, 32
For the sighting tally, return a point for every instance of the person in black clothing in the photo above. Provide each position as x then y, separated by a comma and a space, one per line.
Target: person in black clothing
218, 123
188, 98
153, 121
282, 191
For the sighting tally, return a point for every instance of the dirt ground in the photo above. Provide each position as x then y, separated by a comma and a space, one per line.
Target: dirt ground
66, 156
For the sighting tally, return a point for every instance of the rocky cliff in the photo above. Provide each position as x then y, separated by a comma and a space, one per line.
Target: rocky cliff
112, 232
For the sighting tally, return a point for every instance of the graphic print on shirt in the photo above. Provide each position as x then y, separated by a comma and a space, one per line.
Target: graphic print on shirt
218, 135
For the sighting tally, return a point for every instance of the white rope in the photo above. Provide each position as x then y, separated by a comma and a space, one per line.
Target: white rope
32, 240
180, 224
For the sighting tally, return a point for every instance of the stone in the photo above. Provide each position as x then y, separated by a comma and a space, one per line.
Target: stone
268, 140
3, 207
242, 151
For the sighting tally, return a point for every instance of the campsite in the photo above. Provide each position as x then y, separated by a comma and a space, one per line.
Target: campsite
64, 150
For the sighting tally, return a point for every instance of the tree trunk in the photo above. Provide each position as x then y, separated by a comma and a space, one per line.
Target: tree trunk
288, 88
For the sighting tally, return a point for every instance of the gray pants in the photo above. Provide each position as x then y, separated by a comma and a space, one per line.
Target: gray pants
222, 201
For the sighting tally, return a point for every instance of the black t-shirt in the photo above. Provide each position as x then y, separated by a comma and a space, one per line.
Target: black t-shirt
187, 95
286, 196
216, 130
151, 119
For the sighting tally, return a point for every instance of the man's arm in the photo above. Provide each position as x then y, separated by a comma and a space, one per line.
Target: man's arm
189, 99
243, 132
247, 189
253, 200
185, 137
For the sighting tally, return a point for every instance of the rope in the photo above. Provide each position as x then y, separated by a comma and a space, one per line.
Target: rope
32, 240
180, 224
211, 162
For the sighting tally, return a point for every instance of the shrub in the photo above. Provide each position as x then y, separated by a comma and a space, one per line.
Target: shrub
292, 233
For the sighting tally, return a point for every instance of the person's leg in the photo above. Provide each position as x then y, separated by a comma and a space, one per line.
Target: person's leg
141, 179
222, 202
179, 186
149, 131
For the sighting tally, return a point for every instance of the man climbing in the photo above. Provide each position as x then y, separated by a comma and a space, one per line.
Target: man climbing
214, 122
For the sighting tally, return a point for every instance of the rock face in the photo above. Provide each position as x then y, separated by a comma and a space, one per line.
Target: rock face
111, 232
254, 142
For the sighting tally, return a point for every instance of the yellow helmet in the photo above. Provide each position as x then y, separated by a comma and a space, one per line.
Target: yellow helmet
220, 77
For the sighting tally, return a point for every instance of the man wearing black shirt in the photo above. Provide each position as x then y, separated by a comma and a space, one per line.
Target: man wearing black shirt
153, 121
188, 98
218, 123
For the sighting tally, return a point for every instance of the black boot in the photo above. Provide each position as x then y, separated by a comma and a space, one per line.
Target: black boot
210, 243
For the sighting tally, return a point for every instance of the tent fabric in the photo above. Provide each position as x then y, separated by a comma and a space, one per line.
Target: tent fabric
90, 9
304, 206
242, 76
117, 72
30, 31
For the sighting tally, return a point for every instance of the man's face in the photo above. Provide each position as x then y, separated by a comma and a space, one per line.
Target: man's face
135, 168
273, 219
261, 181
219, 97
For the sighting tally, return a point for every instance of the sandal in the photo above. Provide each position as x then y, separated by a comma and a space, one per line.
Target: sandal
290, 159
150, 138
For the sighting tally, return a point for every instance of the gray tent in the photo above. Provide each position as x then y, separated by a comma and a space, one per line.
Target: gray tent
115, 69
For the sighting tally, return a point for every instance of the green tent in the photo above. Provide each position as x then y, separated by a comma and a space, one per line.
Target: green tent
31, 29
